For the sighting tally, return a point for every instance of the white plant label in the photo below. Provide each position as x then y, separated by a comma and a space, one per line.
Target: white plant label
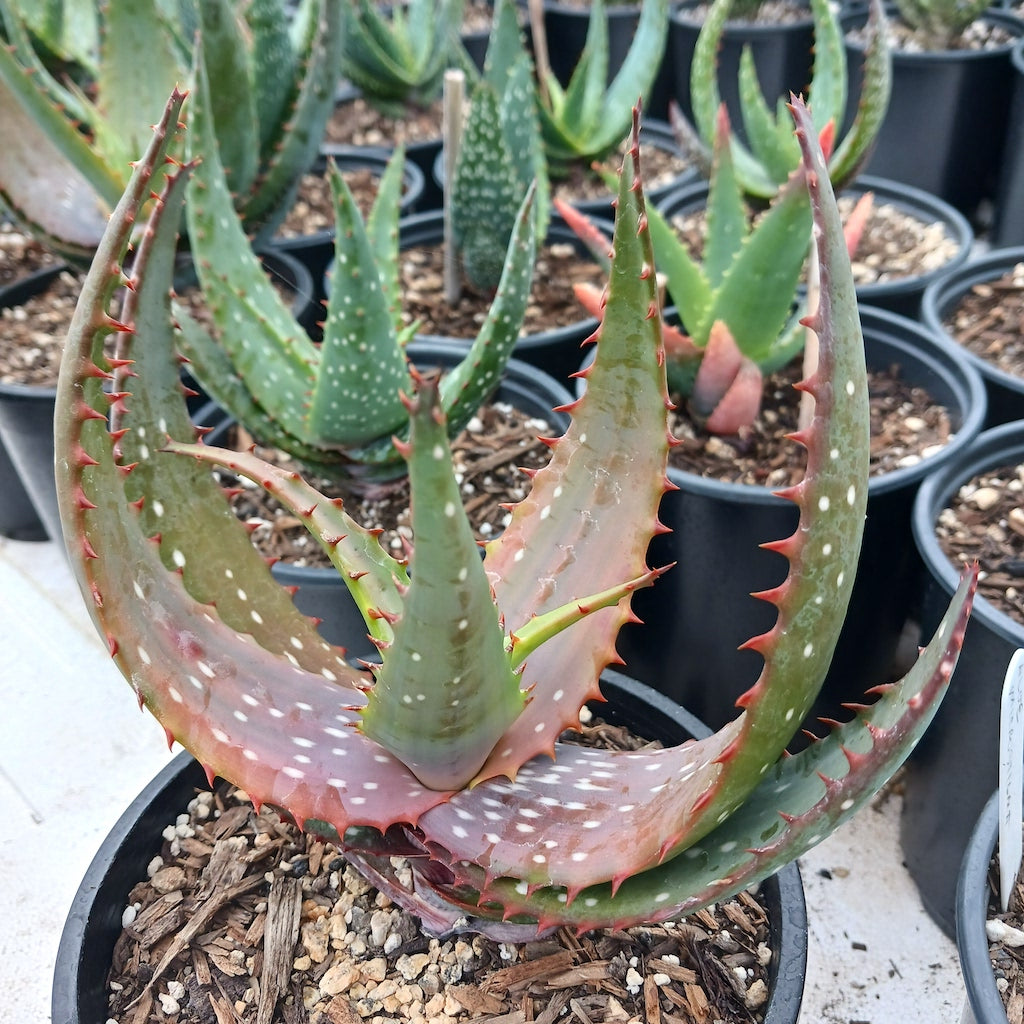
1011, 770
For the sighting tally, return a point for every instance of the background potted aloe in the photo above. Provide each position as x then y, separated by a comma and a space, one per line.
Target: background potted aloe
333, 405
233, 672
946, 55
274, 81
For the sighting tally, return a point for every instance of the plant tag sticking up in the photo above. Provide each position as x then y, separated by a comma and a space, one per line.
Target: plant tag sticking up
1011, 770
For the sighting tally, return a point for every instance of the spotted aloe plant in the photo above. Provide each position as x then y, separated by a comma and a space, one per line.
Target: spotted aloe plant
451, 752
500, 156
334, 405
771, 154
273, 79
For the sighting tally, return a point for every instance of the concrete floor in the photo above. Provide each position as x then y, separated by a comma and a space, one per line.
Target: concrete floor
74, 750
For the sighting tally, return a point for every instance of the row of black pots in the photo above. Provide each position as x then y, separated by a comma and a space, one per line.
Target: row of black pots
954, 768
94, 921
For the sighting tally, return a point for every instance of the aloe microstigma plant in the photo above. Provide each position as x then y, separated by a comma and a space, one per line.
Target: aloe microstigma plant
764, 164
450, 753
333, 405
273, 77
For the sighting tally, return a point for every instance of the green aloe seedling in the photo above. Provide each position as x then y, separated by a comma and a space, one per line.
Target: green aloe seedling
399, 56
772, 154
500, 155
335, 405
273, 79
451, 751
587, 119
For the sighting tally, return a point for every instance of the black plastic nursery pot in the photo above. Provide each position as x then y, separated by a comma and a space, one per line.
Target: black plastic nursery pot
950, 775
1005, 390
701, 611
984, 1004
1008, 222
26, 437
94, 921
321, 591
420, 153
18, 517
782, 52
900, 295
945, 127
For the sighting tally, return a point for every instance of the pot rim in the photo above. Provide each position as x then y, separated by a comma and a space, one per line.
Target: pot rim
995, 447
950, 286
971, 911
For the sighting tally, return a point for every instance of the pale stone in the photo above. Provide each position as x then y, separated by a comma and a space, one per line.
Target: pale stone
338, 979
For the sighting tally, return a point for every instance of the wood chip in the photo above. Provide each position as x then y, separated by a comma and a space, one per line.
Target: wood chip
280, 932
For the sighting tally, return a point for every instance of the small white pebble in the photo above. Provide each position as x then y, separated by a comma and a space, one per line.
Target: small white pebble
1000, 931
129, 914
169, 1004
661, 980
633, 980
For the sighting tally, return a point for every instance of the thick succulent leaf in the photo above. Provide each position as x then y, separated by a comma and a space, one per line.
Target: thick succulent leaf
222, 57
247, 684
478, 374
275, 66
522, 132
213, 366
758, 289
505, 45
685, 279
727, 224
581, 105
578, 504
372, 576
274, 356
50, 176
800, 800
362, 369
706, 99
139, 66
856, 146
382, 228
486, 191
769, 129
290, 145
827, 93
445, 692
636, 74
